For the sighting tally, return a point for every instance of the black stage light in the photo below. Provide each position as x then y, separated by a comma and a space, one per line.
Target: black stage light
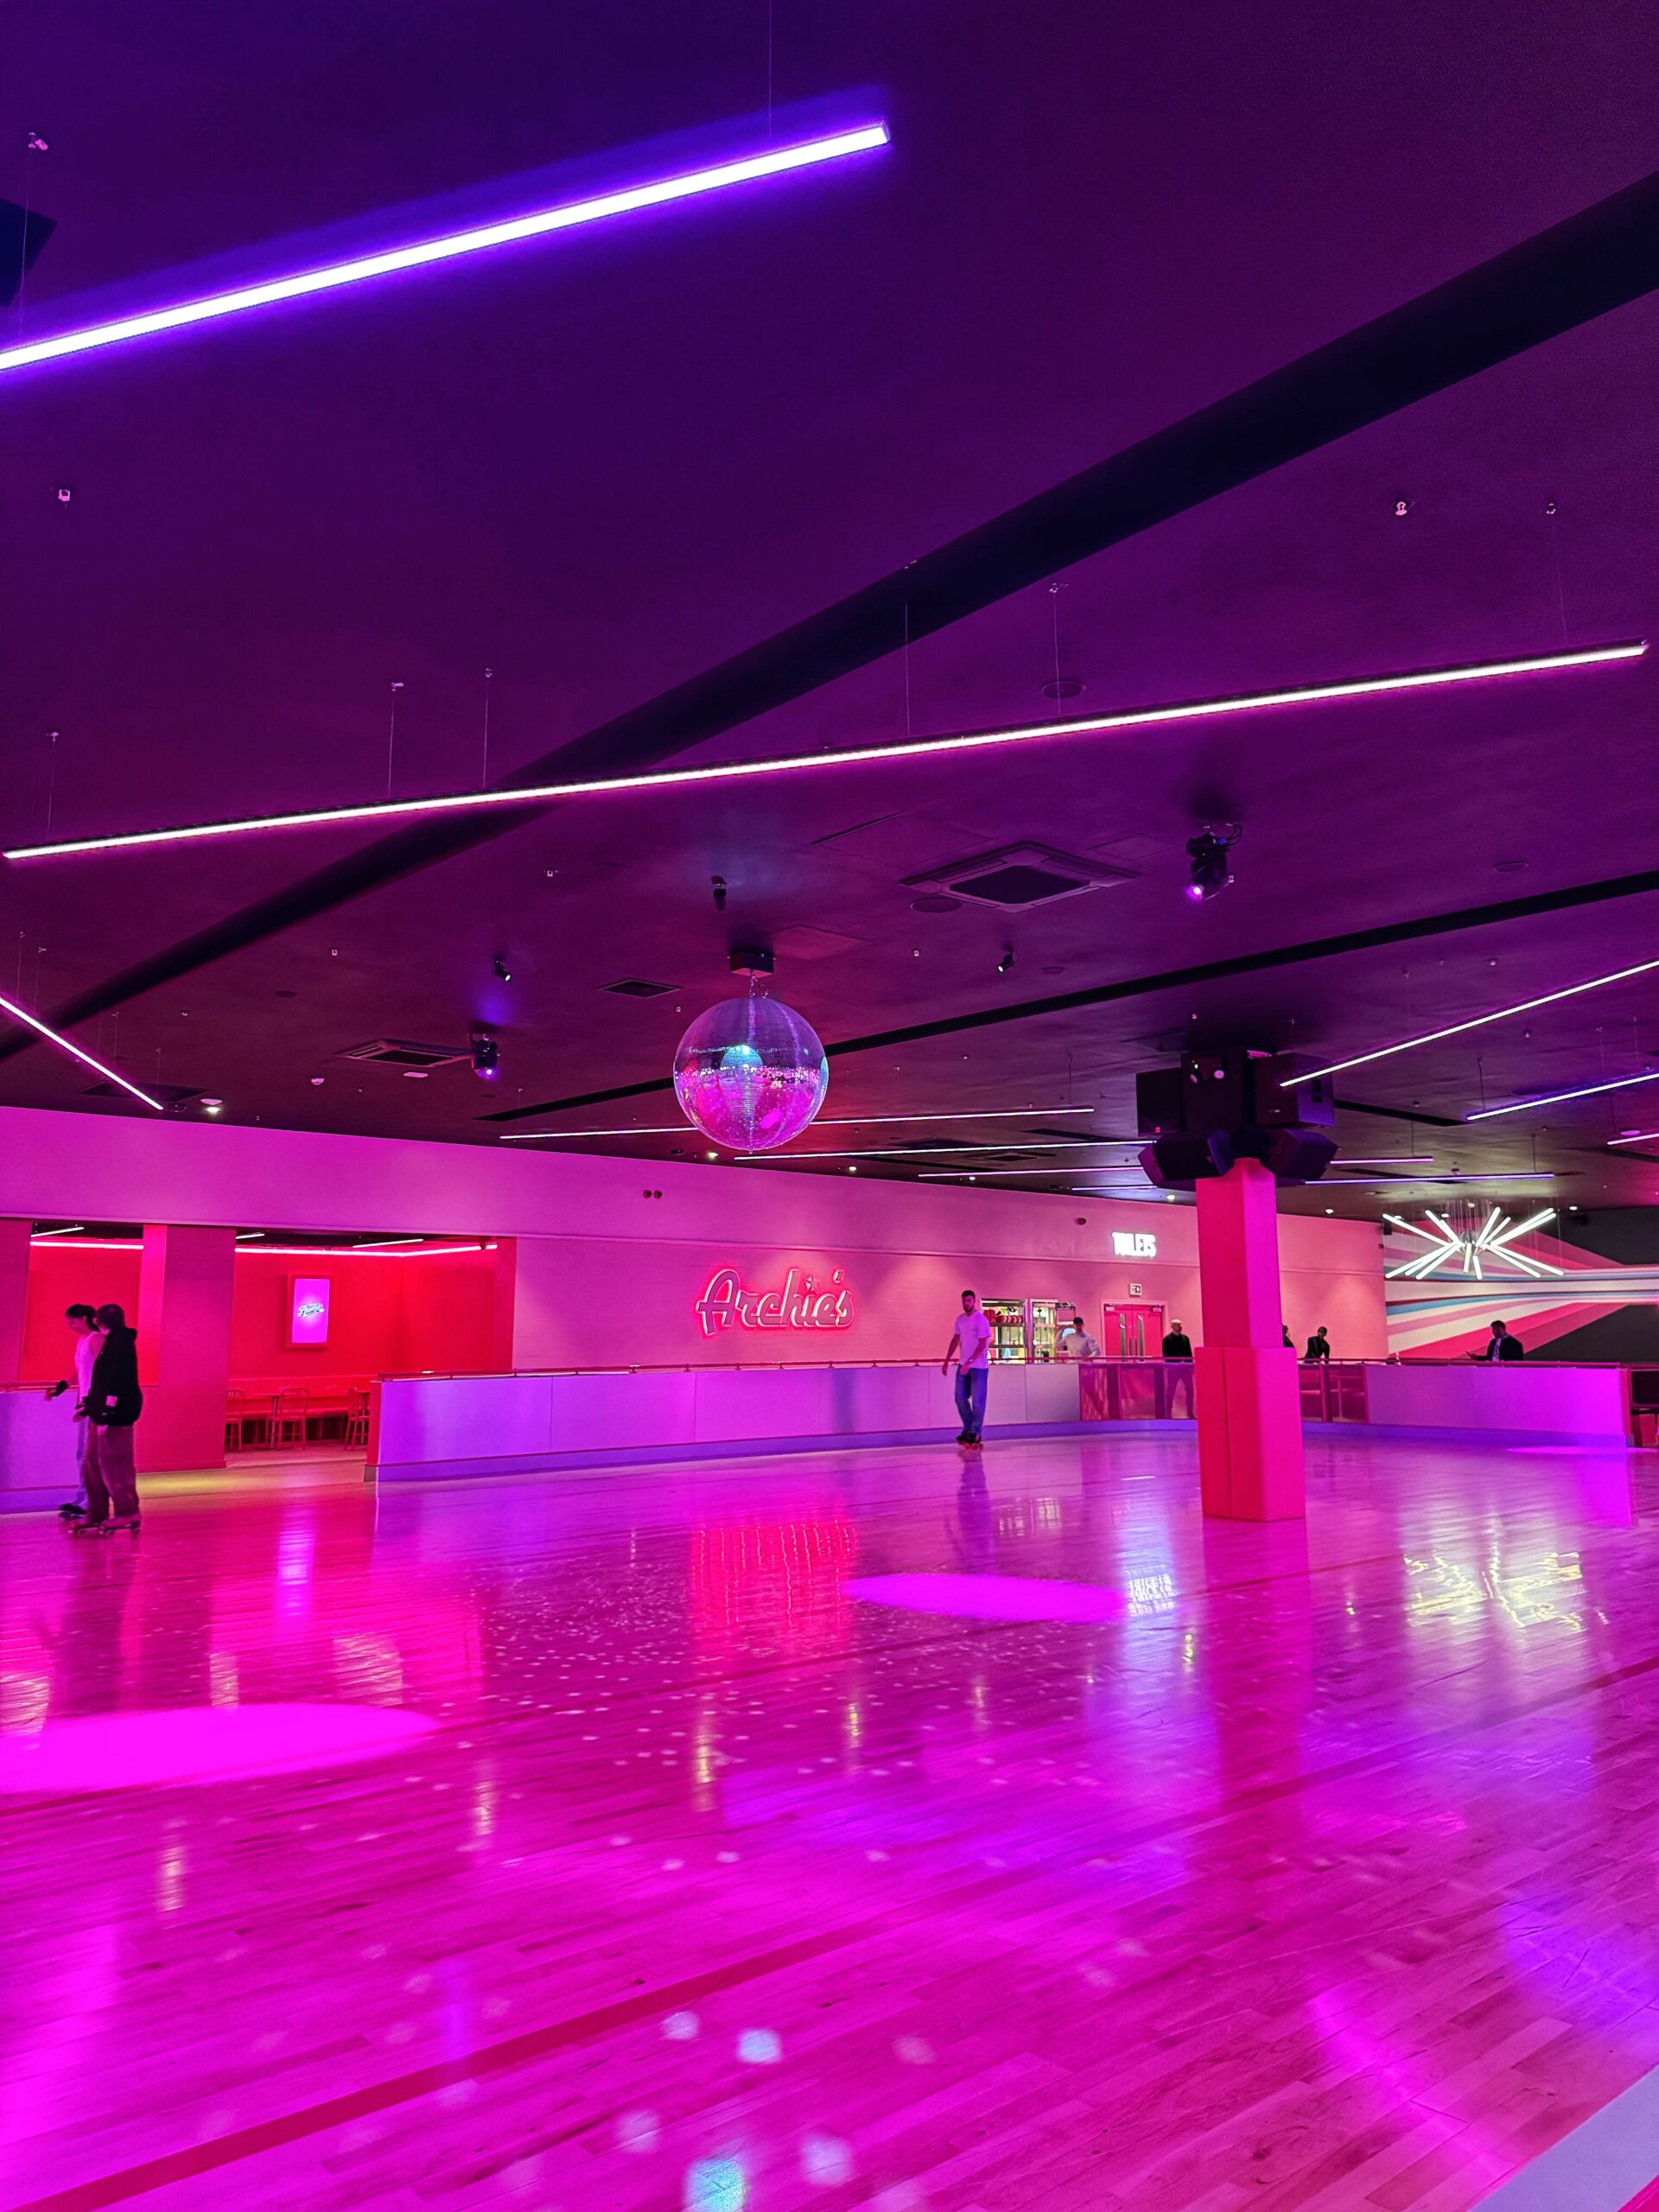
487, 1056
503, 973
1208, 852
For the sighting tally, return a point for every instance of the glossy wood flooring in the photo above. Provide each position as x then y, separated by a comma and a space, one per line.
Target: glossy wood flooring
1323, 1875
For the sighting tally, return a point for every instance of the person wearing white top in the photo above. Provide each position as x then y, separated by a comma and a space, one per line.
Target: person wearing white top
1077, 1343
971, 1348
79, 1318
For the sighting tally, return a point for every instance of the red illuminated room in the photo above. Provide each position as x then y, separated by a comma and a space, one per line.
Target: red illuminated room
829, 1133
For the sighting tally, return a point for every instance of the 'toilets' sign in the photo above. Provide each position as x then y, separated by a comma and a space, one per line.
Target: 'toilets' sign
1134, 1244
801, 1303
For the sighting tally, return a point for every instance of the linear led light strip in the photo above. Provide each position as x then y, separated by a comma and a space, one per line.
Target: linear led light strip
1557, 1097
52, 1036
1480, 1021
1636, 1136
92, 1243
791, 763
824, 1121
1123, 1167
1005, 1175
332, 277
1430, 1182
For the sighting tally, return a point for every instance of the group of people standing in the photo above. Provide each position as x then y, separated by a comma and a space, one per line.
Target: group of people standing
108, 1402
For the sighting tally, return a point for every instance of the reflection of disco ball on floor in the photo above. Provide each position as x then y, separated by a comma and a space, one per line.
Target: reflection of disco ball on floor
750, 1074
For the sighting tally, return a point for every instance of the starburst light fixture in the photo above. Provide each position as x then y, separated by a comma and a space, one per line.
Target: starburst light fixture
1468, 1249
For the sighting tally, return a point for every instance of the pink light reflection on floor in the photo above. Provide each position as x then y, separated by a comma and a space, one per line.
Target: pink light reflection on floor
991, 1597
151, 1748
1611, 1450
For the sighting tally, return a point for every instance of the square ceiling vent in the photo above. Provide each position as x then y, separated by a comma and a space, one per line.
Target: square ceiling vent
399, 1052
1022, 876
637, 987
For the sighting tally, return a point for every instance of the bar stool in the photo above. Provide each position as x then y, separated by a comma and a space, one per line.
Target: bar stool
287, 1418
236, 1414
357, 1420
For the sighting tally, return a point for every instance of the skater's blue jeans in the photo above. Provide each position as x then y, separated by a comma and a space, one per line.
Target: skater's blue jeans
970, 1398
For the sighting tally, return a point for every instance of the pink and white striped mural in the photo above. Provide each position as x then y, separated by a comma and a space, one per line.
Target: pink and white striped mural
1597, 1306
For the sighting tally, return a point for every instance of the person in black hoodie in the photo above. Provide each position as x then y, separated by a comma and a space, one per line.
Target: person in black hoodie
113, 1404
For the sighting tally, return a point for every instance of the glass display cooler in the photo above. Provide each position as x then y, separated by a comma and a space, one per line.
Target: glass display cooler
1048, 1316
1007, 1319
1027, 1328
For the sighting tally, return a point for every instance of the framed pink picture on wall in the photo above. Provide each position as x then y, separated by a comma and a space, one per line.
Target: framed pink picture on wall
307, 1310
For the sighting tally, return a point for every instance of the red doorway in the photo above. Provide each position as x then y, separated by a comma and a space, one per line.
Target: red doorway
1132, 1332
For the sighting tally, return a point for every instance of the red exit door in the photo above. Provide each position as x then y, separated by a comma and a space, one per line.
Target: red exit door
1132, 1332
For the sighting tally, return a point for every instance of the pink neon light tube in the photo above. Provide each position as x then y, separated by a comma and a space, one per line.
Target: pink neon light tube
794, 764
424, 252
44, 1029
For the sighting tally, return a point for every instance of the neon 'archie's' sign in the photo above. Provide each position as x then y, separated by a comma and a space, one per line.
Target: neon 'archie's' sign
803, 1302
1134, 1244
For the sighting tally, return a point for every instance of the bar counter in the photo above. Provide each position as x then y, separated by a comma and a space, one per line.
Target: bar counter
442, 1425
430, 1424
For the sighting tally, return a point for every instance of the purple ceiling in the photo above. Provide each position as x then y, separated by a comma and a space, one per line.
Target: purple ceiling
598, 464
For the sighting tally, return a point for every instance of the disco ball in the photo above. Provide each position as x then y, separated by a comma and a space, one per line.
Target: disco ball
750, 1074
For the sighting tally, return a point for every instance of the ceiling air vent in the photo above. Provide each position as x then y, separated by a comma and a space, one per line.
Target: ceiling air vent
636, 987
399, 1052
1022, 876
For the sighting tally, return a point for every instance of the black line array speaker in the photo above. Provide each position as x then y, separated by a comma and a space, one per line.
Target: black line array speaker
1311, 1105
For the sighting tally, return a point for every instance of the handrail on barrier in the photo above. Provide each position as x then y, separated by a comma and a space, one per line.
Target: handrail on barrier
787, 1366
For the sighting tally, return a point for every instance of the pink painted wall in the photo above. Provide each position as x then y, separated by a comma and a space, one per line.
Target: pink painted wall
14, 1278
58, 1278
184, 1345
385, 1316
595, 1250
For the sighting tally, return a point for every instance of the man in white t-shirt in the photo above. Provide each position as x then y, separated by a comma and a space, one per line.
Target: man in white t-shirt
971, 1348
1077, 1343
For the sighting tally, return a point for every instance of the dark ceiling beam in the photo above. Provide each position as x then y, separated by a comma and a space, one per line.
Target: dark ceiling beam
1601, 259
1175, 979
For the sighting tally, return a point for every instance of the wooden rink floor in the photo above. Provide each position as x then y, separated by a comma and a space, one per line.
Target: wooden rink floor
1304, 1866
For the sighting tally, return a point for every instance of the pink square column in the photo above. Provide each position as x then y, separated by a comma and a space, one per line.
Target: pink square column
1250, 1405
184, 1346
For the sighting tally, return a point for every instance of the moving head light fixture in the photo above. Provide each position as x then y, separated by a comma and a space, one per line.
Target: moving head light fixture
1210, 872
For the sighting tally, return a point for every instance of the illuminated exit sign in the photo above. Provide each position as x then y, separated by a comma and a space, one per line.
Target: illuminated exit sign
1134, 1244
